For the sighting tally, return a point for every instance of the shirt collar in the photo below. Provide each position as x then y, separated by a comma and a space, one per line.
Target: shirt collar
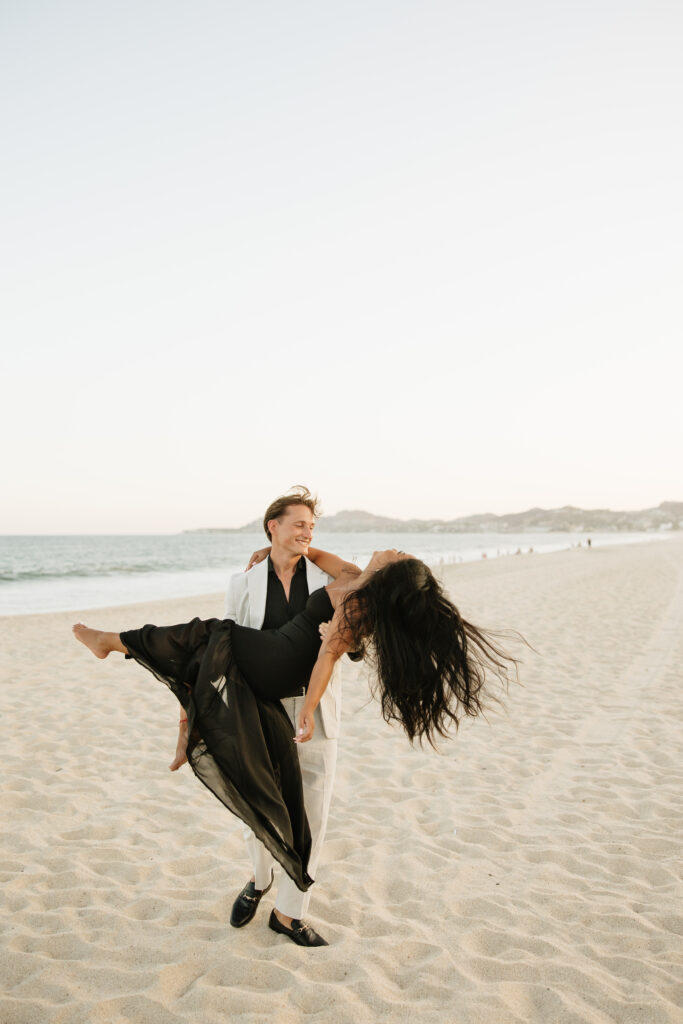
300, 567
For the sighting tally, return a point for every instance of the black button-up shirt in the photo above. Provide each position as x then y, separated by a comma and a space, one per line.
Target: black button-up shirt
278, 609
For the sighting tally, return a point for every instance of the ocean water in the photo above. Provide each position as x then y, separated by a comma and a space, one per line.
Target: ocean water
61, 573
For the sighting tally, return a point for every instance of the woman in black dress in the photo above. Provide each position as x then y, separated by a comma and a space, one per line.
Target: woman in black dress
429, 663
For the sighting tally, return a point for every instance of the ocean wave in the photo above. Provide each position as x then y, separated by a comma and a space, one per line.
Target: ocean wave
85, 572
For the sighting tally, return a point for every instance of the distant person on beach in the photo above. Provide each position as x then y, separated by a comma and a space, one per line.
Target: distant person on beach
430, 664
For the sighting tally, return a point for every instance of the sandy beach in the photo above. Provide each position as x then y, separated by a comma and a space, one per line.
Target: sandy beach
528, 871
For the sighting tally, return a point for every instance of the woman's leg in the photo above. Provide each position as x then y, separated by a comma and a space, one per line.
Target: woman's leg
98, 641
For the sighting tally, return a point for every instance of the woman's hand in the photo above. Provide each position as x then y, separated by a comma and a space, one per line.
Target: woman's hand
324, 629
258, 556
320, 677
181, 749
306, 726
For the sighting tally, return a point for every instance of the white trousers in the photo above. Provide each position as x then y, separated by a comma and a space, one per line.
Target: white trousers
318, 760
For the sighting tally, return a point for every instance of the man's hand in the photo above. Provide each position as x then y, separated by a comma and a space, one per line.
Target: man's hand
258, 556
181, 749
306, 726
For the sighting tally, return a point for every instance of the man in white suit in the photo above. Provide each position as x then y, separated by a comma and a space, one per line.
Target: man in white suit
265, 597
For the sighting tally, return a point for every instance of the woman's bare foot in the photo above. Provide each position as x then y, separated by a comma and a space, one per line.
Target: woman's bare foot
96, 640
181, 750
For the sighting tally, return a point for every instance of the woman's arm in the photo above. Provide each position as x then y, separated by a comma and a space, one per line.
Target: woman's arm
333, 646
320, 677
333, 565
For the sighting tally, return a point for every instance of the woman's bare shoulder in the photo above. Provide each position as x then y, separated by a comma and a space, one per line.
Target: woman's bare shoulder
338, 589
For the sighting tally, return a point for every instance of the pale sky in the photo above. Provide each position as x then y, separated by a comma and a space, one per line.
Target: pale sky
423, 257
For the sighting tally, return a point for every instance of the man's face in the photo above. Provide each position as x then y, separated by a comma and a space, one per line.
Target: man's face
293, 532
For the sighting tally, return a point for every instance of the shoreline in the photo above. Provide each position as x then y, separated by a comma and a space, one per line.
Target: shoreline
441, 567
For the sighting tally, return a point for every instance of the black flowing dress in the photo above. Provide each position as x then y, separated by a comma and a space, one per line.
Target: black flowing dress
230, 680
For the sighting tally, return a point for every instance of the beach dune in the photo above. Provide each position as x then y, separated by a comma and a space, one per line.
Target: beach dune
527, 871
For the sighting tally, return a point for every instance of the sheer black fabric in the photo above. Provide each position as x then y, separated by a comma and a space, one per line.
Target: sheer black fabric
241, 739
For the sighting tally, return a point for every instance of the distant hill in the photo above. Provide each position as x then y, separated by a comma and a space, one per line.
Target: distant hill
667, 516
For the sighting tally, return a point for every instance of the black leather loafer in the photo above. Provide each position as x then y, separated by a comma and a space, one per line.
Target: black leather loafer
246, 904
300, 932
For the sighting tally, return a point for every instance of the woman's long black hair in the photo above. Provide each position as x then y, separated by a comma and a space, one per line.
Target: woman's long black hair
431, 665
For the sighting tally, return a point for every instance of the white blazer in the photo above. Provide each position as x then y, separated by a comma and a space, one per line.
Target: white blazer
245, 603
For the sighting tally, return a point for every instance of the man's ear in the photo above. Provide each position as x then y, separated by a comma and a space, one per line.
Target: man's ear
273, 526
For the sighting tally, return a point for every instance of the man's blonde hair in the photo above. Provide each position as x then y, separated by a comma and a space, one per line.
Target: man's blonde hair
299, 495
